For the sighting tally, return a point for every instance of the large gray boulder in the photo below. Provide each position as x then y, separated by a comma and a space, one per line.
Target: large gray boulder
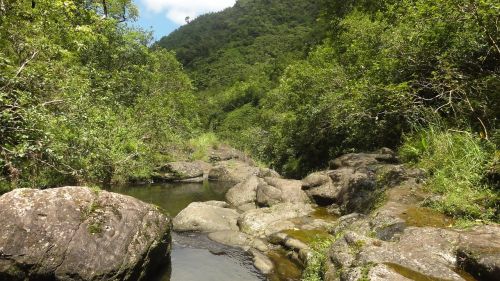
352, 189
206, 217
421, 251
74, 233
272, 191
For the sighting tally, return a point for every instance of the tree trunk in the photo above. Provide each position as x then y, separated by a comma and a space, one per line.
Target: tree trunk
105, 8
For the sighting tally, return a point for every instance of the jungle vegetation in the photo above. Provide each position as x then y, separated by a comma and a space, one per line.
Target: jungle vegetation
86, 99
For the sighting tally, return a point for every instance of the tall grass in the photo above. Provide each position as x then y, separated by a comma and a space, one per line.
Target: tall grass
202, 144
457, 163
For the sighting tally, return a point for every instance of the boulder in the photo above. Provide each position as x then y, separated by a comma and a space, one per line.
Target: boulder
236, 171
183, 171
243, 193
206, 217
353, 190
232, 171
320, 188
479, 252
74, 233
265, 221
272, 191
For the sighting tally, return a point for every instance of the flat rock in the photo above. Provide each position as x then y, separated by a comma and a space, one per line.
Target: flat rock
233, 171
183, 171
238, 239
479, 252
262, 262
265, 221
74, 233
355, 160
427, 252
205, 217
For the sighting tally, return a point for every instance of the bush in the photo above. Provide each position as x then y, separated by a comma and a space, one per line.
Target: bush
316, 265
457, 163
200, 146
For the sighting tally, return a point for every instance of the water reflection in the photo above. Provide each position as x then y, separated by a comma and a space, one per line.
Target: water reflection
195, 257
173, 197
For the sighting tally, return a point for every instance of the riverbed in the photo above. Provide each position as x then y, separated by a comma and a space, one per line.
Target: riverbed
195, 257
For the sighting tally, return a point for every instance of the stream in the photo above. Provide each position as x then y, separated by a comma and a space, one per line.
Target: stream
195, 257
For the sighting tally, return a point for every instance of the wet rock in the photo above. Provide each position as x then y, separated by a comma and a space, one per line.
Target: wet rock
334, 209
479, 252
288, 242
382, 272
238, 239
183, 171
203, 217
263, 263
272, 191
74, 233
265, 221
387, 227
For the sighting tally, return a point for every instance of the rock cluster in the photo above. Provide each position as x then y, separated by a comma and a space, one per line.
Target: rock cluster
225, 164
384, 233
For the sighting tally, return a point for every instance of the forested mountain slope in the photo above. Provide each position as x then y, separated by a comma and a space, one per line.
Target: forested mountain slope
253, 36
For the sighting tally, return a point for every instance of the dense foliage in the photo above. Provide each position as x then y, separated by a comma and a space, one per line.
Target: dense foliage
82, 97
295, 83
381, 68
235, 56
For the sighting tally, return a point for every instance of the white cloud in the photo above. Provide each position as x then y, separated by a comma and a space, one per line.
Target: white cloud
178, 10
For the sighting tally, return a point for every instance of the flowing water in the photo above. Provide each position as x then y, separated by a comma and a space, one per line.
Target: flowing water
194, 256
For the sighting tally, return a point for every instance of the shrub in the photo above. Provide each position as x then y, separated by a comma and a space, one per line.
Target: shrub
457, 163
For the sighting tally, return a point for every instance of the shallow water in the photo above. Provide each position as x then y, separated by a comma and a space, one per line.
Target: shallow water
173, 197
194, 256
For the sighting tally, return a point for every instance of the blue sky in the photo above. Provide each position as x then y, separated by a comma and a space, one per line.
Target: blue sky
164, 16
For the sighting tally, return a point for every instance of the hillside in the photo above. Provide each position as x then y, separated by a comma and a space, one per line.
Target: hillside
252, 38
